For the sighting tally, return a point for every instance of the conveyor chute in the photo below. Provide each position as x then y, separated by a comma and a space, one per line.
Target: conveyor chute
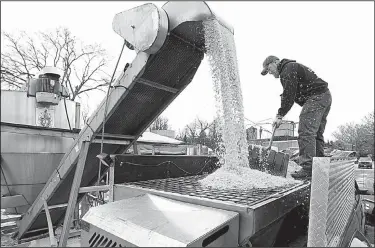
165, 64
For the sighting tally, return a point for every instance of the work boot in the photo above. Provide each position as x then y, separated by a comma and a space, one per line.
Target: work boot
301, 174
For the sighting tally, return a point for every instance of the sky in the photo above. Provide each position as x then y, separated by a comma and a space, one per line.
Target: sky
335, 39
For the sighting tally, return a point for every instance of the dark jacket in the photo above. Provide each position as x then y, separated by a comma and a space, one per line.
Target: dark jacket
299, 83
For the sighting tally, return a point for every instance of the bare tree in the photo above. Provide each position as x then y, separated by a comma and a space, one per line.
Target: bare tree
201, 132
85, 110
182, 135
215, 141
196, 131
160, 123
368, 124
26, 54
360, 135
347, 133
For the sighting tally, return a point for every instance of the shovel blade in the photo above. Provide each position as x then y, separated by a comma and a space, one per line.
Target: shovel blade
261, 158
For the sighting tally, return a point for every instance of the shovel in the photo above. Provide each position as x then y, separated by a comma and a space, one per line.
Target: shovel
264, 151
276, 162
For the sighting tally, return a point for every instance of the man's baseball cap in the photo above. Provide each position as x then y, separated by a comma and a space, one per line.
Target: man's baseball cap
270, 59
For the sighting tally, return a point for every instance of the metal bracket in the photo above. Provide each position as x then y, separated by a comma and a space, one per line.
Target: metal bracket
157, 85
93, 188
115, 136
111, 141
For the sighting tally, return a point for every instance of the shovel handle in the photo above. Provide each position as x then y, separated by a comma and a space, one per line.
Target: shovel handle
273, 133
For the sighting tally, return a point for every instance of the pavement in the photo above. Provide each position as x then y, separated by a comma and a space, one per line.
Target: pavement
45, 242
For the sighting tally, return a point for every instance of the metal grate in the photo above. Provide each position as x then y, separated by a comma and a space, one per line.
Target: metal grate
98, 240
190, 186
173, 63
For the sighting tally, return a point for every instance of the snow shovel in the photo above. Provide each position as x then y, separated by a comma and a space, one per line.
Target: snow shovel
276, 162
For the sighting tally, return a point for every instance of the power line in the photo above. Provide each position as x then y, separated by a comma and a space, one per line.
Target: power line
259, 122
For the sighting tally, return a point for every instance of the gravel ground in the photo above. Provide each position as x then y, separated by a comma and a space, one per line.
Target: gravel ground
369, 233
7, 241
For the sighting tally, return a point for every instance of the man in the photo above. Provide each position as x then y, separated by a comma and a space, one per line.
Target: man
303, 86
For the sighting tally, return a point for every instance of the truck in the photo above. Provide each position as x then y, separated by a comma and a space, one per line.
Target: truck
157, 200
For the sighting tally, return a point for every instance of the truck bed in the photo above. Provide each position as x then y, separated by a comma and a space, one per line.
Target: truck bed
258, 208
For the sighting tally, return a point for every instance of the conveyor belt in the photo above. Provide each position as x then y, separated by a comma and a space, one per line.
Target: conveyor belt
191, 186
130, 112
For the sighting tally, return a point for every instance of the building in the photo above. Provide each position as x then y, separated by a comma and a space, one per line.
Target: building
167, 133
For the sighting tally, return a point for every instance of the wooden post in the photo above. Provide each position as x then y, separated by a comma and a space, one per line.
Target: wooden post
111, 180
50, 226
135, 148
84, 206
74, 193
76, 216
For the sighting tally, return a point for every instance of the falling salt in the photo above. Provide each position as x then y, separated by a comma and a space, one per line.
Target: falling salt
221, 54
235, 171
262, 162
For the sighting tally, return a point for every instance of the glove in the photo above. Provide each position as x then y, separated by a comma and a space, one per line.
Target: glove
277, 121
